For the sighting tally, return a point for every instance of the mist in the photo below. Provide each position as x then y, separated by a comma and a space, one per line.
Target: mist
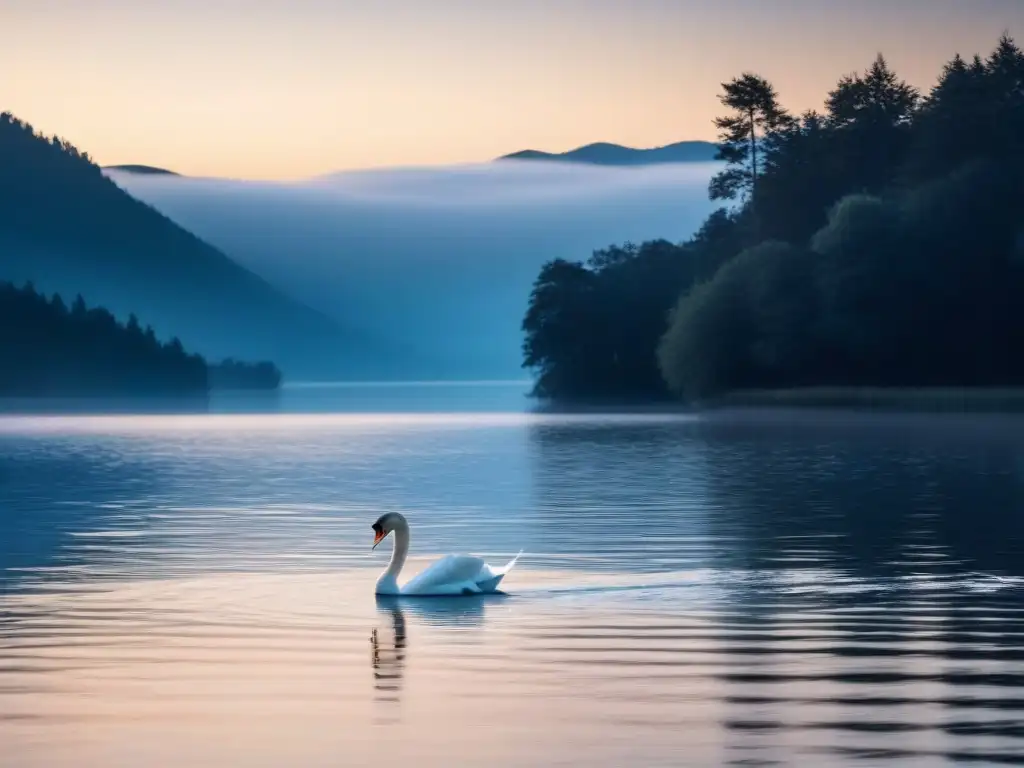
438, 260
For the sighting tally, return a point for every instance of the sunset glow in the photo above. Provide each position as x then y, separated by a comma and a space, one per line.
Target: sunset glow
275, 89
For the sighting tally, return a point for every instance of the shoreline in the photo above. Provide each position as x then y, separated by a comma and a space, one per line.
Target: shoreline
899, 399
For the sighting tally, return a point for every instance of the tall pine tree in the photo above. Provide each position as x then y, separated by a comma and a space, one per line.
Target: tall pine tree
756, 115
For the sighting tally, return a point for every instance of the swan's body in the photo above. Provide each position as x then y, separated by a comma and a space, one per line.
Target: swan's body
451, 575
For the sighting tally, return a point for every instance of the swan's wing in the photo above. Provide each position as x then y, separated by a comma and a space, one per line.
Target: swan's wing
451, 575
490, 577
501, 570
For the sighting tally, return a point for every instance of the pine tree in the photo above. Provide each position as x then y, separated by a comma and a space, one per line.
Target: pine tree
878, 97
756, 115
871, 115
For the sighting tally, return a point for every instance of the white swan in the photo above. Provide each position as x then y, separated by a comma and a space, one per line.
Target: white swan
451, 575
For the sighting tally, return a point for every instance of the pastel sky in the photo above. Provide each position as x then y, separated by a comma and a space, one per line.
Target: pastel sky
279, 89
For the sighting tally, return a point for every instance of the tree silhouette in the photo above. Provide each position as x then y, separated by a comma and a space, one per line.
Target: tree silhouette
591, 330
47, 350
756, 116
878, 243
871, 116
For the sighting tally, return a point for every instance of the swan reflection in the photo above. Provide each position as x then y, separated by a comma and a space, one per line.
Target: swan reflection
390, 641
389, 657
454, 612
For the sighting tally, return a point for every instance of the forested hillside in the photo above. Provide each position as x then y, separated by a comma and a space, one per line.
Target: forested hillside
879, 242
69, 229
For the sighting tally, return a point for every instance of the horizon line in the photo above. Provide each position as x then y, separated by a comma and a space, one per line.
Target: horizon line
122, 167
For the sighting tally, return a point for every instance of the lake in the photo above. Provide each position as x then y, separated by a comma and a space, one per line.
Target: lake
732, 588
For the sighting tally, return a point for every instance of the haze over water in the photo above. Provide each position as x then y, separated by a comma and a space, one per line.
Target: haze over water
438, 260
738, 588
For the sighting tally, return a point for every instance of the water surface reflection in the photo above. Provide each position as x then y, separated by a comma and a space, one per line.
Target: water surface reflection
715, 590
390, 639
389, 662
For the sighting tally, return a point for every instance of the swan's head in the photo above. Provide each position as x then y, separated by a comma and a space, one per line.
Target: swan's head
385, 524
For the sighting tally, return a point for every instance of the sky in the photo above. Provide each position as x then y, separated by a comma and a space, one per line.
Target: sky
287, 89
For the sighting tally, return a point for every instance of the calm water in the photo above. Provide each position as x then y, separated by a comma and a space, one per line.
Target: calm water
744, 589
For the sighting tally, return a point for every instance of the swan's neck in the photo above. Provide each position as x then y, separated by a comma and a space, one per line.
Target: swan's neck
387, 584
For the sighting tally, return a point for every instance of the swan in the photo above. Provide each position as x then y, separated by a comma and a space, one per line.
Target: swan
451, 575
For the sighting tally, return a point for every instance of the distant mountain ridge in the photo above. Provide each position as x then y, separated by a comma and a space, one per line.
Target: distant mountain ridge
604, 153
598, 153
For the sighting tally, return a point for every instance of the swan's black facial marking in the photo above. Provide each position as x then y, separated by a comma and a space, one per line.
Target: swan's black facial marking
385, 522
378, 533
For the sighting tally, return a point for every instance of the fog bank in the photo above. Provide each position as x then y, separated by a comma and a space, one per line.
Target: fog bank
440, 259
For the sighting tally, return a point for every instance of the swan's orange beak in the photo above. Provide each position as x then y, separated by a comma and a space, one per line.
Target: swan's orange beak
378, 537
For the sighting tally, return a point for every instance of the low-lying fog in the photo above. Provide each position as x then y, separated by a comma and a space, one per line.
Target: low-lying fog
442, 259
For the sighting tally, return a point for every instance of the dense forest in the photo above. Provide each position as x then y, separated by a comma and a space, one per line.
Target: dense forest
877, 243
69, 228
49, 349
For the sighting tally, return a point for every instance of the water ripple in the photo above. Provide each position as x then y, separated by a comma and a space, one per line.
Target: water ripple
735, 592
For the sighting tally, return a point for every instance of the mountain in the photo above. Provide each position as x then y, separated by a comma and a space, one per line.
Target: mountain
148, 170
68, 228
603, 153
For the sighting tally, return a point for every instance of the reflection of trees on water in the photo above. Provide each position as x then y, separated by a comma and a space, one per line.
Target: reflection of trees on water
894, 497
853, 617
901, 675
884, 497
887, 644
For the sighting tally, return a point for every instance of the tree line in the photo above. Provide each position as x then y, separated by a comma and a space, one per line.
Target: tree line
235, 374
50, 349
876, 243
